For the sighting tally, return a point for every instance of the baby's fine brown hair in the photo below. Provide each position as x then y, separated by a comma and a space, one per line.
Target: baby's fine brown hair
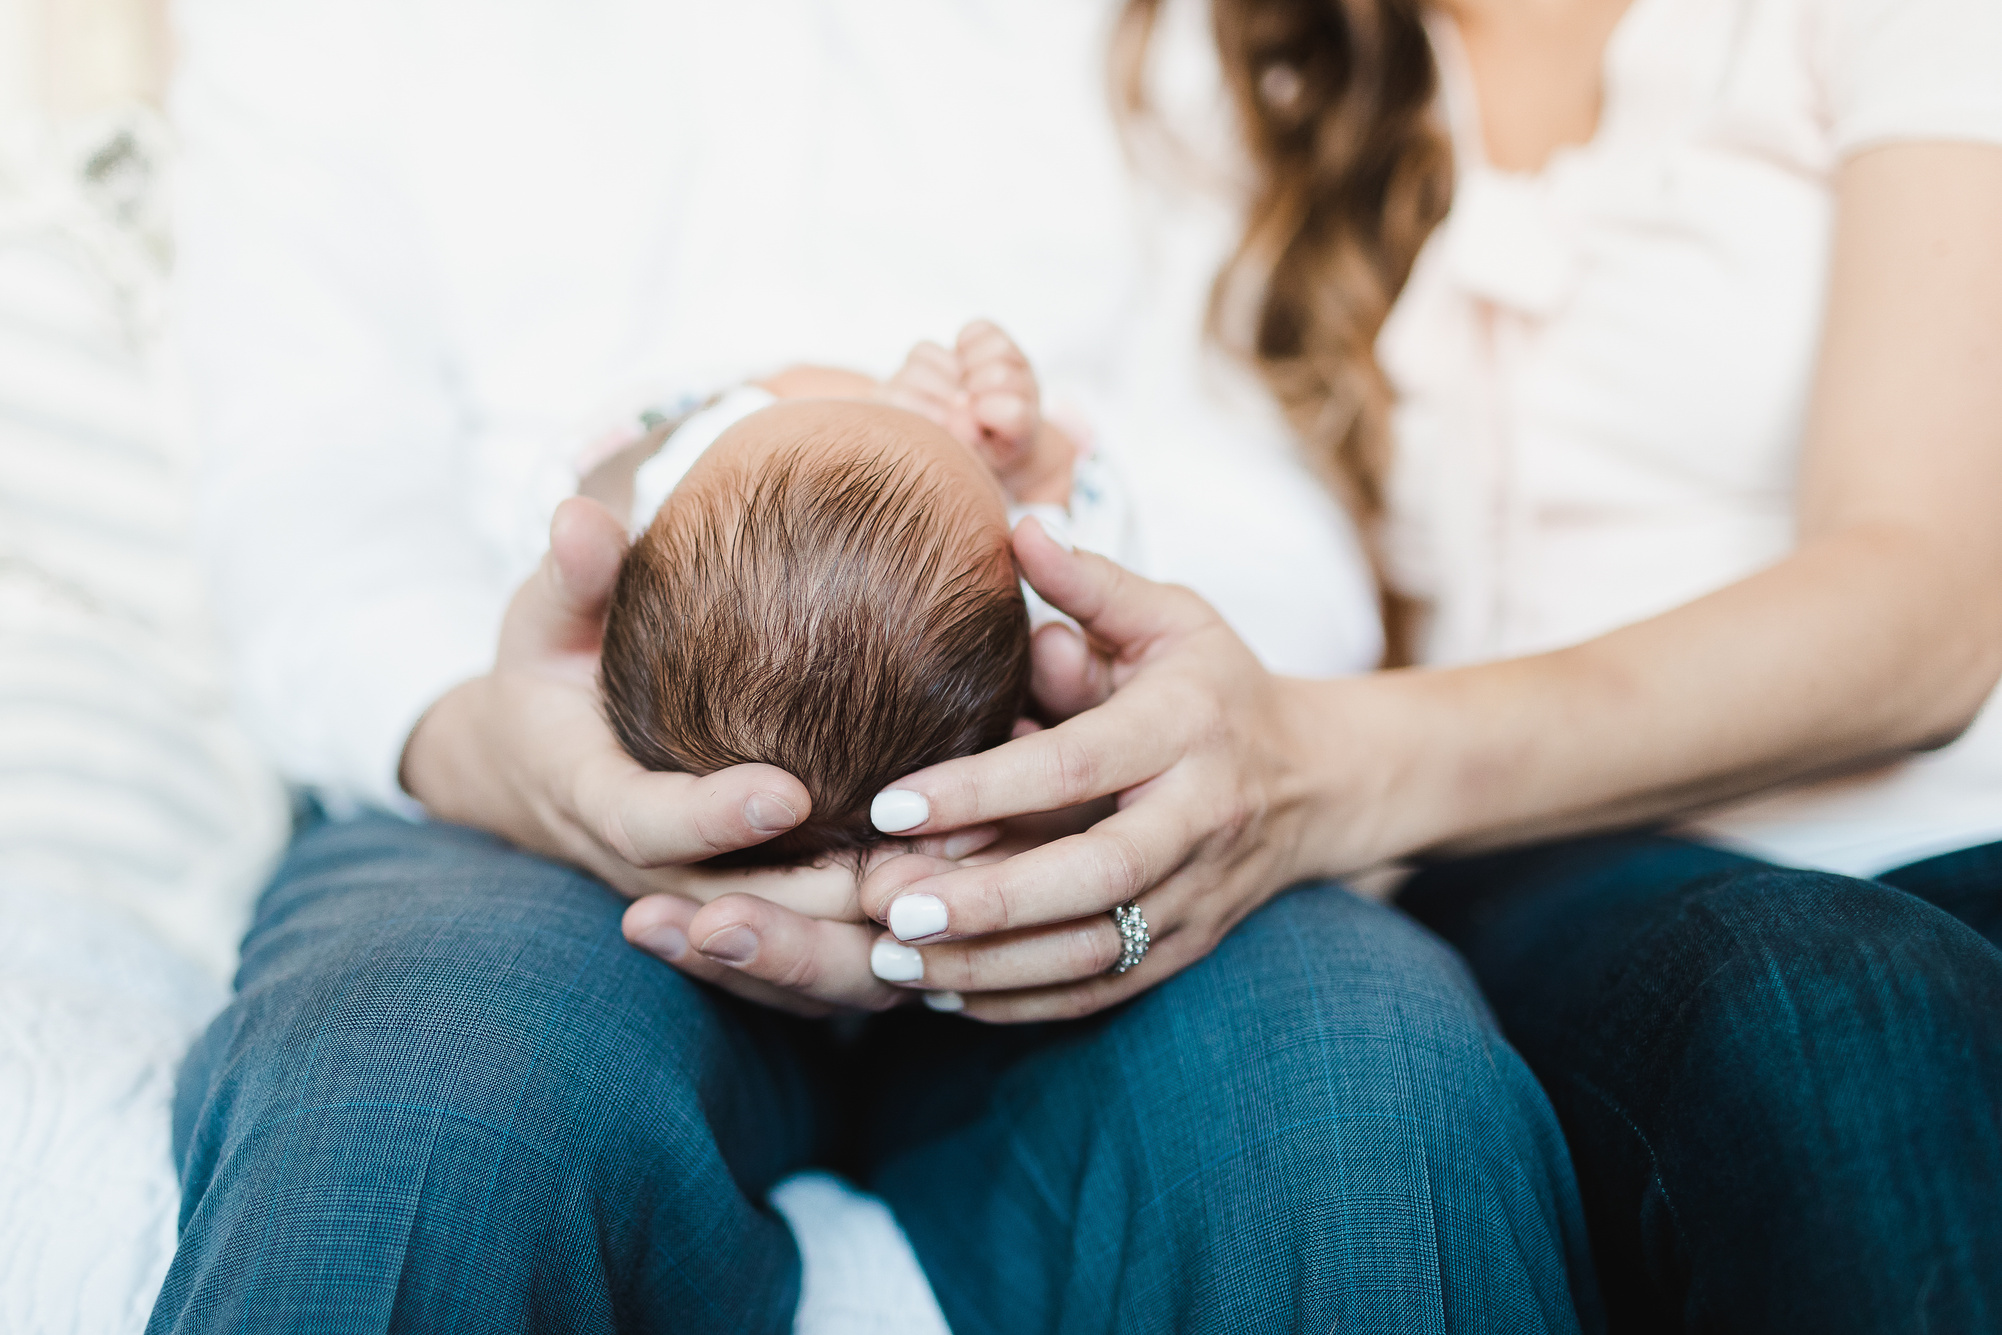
834, 614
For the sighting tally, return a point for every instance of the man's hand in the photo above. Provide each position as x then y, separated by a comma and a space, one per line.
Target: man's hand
524, 752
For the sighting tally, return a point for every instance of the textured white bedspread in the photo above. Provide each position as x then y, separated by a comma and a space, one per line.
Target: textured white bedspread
94, 1015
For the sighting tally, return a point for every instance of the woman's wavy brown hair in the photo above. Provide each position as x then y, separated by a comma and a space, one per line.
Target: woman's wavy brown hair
1352, 173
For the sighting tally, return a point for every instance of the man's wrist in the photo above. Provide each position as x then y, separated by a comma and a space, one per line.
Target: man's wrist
433, 772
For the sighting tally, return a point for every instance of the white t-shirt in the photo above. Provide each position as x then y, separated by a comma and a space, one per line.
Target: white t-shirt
424, 240
1604, 365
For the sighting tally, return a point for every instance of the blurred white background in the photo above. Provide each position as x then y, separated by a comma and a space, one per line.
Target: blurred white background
135, 821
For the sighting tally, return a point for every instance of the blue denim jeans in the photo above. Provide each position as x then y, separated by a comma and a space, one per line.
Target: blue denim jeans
449, 1096
1782, 1089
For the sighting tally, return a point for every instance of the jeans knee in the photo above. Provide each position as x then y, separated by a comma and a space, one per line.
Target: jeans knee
1330, 968
447, 1084
1767, 985
1333, 1060
1324, 1010
1817, 946
407, 980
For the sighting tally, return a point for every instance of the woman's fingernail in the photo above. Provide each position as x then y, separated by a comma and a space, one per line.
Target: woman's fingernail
732, 945
768, 815
898, 809
945, 1001
914, 916
894, 962
670, 943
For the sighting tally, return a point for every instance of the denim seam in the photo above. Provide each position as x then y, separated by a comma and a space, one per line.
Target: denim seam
1675, 1215
410, 1226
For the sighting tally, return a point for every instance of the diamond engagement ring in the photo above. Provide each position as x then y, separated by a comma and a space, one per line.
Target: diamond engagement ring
1132, 927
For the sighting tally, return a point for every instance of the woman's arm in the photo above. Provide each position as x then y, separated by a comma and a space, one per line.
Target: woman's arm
1881, 634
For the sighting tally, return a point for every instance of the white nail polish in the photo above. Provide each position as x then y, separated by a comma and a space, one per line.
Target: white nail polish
898, 809
894, 962
945, 1001
1058, 530
915, 916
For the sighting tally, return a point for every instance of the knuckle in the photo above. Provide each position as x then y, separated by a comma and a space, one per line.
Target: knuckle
1125, 865
1073, 1003
799, 974
993, 909
1238, 817
975, 973
955, 798
1202, 714
1074, 769
712, 835
612, 833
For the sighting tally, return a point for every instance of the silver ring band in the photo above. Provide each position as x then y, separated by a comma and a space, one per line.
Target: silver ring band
1132, 925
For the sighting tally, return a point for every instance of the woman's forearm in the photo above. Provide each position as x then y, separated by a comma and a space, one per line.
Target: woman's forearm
1861, 647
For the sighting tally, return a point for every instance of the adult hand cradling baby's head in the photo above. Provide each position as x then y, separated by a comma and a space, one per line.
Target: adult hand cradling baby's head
524, 750
829, 590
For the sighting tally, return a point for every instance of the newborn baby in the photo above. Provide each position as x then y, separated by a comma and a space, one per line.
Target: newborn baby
829, 587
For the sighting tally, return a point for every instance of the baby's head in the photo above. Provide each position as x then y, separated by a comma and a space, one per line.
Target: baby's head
829, 590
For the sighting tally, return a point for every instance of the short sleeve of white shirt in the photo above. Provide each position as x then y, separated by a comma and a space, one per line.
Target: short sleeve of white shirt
1910, 70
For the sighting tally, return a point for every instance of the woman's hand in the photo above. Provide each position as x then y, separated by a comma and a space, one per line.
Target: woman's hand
770, 952
1170, 717
1199, 744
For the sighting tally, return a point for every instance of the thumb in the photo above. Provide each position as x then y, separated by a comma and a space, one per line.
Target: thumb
1065, 676
1123, 611
560, 609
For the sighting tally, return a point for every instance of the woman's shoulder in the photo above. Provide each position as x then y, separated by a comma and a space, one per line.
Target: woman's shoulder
1890, 70
1803, 84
